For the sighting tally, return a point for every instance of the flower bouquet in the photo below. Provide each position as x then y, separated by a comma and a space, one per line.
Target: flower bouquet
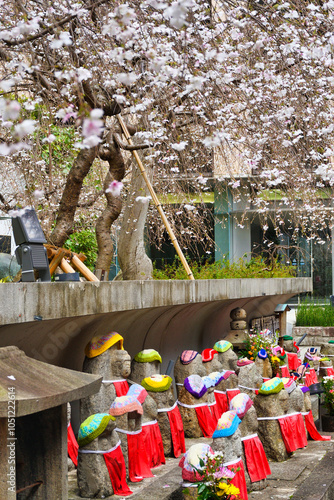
216, 479
328, 385
257, 341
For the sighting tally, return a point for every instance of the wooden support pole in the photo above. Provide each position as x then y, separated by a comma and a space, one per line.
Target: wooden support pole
156, 201
52, 251
83, 269
55, 262
65, 266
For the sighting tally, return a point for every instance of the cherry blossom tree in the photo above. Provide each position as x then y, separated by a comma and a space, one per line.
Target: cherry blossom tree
248, 87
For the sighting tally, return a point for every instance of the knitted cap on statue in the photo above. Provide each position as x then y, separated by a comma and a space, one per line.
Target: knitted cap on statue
222, 346
147, 356
227, 424
191, 461
92, 427
157, 383
244, 362
227, 373
125, 404
195, 386
137, 392
272, 386
289, 384
241, 404
213, 379
262, 354
101, 343
187, 356
208, 354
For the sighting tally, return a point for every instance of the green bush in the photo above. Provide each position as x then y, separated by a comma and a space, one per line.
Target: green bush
84, 242
224, 269
312, 314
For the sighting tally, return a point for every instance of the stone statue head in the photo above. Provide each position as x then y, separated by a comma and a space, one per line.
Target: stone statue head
121, 363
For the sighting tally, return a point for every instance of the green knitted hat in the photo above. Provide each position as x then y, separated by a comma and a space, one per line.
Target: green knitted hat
147, 355
331, 341
287, 337
92, 427
222, 346
272, 386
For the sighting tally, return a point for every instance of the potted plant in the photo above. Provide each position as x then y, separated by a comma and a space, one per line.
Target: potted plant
327, 420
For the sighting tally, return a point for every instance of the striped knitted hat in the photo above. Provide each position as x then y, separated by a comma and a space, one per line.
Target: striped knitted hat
125, 404
188, 356
100, 344
208, 354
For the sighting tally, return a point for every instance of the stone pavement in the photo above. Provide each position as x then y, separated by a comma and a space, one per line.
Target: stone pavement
307, 475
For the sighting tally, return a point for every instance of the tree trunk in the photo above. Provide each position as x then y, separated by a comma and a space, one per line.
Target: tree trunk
71, 194
134, 262
102, 229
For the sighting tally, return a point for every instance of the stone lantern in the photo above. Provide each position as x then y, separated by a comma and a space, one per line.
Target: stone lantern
33, 424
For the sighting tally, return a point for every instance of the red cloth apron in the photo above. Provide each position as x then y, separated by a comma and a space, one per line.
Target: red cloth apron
285, 371
312, 430
293, 432
239, 479
222, 404
308, 379
231, 393
117, 471
176, 428
153, 444
313, 376
72, 445
215, 413
205, 420
121, 387
256, 460
138, 460
293, 361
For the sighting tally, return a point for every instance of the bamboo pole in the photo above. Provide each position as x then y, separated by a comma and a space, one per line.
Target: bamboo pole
156, 201
80, 266
56, 260
51, 251
66, 267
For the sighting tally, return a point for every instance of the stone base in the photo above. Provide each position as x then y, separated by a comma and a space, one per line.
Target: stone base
327, 422
237, 337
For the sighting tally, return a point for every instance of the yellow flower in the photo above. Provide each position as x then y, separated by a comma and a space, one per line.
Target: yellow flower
223, 486
220, 493
233, 490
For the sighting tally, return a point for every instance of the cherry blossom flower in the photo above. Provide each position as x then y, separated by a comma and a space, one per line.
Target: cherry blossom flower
115, 188
24, 128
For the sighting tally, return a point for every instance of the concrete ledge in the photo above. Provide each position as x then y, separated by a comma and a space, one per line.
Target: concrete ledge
52, 322
320, 484
22, 302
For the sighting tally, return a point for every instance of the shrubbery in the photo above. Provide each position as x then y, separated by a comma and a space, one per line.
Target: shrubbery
223, 269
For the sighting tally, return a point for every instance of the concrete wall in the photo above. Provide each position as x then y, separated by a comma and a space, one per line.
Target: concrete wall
54, 321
